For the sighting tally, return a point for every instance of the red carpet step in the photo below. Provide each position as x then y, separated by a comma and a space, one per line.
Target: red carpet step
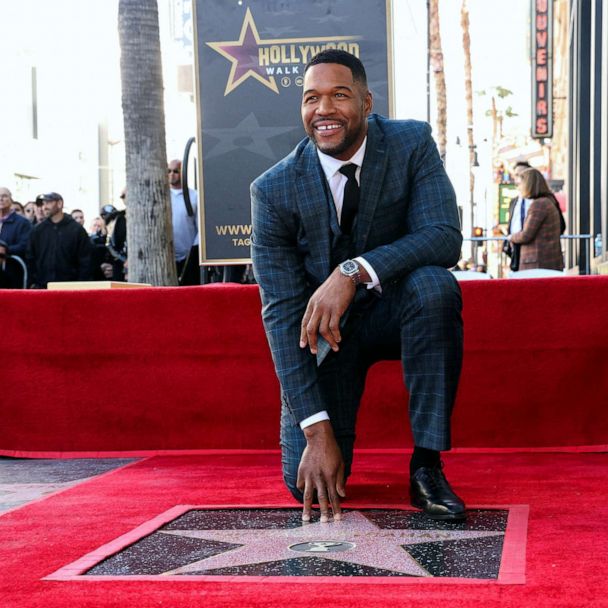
147, 370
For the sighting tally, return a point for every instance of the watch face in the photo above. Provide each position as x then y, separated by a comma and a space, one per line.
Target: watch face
349, 267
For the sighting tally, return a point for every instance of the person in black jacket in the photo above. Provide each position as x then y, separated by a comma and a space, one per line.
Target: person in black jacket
59, 248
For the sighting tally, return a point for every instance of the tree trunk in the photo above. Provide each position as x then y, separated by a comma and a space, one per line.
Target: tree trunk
436, 53
151, 257
468, 84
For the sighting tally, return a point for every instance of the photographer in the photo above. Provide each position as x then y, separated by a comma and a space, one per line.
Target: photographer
116, 222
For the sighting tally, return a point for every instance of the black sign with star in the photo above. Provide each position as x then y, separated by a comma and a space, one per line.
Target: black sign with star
249, 59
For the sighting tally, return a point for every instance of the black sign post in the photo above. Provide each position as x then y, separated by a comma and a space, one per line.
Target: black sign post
249, 67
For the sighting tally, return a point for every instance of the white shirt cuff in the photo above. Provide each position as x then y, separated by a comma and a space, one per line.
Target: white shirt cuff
375, 281
318, 417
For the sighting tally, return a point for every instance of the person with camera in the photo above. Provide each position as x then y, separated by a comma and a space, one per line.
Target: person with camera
116, 223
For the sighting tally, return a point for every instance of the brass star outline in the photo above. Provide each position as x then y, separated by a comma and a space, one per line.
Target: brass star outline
249, 25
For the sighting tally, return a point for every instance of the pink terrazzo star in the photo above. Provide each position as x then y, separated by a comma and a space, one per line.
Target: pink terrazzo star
355, 540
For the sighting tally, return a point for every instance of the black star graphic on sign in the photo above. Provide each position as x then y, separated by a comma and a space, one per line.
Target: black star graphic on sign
248, 135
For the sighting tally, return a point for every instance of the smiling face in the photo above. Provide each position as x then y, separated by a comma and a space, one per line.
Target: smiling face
53, 209
335, 109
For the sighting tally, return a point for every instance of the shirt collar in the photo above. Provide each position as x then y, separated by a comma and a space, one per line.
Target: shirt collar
332, 165
8, 215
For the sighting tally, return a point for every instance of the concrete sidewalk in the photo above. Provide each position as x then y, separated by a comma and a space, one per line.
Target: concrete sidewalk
23, 480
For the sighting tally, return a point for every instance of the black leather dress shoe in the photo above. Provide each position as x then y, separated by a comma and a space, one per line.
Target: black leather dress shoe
431, 492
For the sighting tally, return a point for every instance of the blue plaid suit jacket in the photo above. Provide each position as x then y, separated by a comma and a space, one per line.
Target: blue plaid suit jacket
407, 219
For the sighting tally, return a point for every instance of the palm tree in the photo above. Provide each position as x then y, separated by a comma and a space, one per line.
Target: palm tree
436, 56
468, 84
149, 230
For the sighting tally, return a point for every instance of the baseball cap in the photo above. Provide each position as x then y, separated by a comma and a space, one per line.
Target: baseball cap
50, 196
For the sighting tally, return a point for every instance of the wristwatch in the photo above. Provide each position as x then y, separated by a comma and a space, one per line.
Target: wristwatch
351, 269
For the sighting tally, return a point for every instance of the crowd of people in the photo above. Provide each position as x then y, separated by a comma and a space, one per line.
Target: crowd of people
40, 243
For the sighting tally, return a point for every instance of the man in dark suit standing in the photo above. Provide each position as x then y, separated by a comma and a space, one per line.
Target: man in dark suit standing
352, 235
518, 209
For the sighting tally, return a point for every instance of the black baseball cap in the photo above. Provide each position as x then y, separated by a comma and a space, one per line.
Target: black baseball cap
108, 210
50, 196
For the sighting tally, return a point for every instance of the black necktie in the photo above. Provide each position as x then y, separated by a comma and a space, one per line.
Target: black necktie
522, 212
350, 203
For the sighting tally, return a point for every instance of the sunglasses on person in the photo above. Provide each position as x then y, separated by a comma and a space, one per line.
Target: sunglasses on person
172, 170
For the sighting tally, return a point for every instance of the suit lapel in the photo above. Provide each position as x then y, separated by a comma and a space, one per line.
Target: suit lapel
372, 177
314, 208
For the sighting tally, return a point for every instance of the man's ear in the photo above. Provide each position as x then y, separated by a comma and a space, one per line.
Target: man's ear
368, 102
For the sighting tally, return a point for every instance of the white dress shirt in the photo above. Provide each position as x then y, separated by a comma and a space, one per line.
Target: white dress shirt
516, 219
337, 181
185, 227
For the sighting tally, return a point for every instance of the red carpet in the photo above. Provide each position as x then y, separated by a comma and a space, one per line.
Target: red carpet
161, 369
565, 554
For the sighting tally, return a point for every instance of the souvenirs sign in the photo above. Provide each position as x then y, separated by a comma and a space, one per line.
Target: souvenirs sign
542, 68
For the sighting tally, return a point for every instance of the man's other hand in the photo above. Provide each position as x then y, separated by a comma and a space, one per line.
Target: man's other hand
322, 470
324, 311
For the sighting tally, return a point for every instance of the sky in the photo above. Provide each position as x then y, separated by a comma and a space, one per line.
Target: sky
499, 32
499, 48
76, 41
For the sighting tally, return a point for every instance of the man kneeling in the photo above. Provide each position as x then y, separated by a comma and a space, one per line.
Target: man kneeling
352, 235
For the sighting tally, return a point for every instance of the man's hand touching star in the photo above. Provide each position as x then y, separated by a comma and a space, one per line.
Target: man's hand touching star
321, 467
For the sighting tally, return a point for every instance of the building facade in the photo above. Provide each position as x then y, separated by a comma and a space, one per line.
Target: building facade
588, 131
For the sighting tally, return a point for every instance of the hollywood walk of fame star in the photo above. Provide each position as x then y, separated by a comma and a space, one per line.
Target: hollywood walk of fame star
357, 540
243, 54
248, 134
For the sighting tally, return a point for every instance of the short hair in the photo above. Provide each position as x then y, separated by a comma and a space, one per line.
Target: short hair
76, 211
342, 58
522, 163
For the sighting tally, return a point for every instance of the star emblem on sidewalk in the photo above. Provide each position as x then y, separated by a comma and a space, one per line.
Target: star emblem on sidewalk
273, 544
355, 540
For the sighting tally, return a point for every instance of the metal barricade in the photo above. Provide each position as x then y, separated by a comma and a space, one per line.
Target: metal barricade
23, 267
565, 237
